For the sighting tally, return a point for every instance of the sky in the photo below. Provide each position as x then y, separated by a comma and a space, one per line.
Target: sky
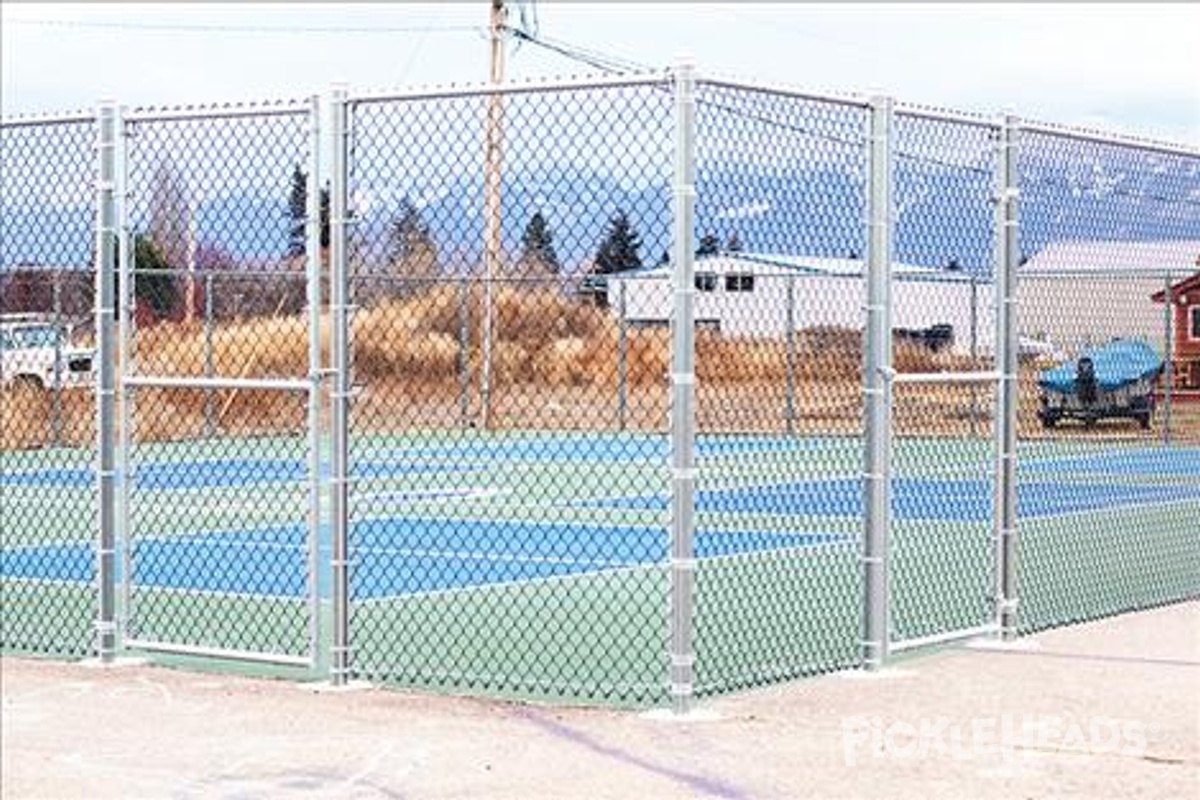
1126, 68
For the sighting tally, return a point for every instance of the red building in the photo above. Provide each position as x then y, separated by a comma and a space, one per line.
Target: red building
1185, 351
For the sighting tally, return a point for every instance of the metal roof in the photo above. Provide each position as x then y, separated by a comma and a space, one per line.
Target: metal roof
1158, 257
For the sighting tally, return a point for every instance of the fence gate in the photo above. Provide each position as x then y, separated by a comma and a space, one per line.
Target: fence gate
940, 512
219, 356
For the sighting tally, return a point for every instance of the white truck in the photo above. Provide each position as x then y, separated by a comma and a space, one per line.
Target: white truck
36, 353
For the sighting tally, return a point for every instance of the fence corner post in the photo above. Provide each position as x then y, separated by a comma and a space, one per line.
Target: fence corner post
106, 251
681, 684
1007, 342
339, 396
877, 352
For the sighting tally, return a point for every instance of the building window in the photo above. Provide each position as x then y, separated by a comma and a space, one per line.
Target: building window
1195, 326
739, 282
706, 281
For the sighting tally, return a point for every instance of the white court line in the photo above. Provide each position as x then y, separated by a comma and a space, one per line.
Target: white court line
467, 493
41, 500
89, 541
420, 515
63, 582
497, 557
1154, 504
90, 582
301, 599
174, 590
517, 584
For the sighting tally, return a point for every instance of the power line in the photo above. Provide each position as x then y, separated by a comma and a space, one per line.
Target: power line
208, 28
616, 64
602, 61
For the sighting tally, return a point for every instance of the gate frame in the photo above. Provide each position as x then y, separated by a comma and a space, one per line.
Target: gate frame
880, 377
128, 381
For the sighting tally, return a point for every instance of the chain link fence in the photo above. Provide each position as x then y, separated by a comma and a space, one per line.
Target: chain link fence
778, 388
622, 390
218, 438
491, 383
943, 407
1110, 238
47, 402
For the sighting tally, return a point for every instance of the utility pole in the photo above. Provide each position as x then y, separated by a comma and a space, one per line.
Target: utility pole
491, 199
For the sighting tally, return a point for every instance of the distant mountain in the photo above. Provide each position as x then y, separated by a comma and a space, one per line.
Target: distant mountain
944, 212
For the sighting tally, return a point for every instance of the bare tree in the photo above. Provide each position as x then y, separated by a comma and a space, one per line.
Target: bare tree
169, 215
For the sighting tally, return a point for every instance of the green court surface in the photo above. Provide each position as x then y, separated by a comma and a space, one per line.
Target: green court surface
536, 564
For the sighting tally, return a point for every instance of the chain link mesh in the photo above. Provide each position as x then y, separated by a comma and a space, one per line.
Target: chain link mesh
1109, 440
47, 403
218, 477
510, 273
503, 411
943, 320
780, 204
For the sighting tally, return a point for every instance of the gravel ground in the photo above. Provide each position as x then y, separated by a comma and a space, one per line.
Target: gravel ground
1106, 709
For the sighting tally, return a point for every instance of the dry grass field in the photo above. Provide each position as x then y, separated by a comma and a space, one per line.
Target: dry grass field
555, 364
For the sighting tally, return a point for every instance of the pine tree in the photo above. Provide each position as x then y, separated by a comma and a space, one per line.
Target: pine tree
153, 282
537, 244
709, 245
298, 213
411, 249
618, 251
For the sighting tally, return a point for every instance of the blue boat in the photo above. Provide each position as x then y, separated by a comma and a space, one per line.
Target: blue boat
1115, 380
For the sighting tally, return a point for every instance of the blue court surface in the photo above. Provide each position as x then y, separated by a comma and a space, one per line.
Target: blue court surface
1159, 463
413, 552
219, 473
917, 499
393, 556
461, 456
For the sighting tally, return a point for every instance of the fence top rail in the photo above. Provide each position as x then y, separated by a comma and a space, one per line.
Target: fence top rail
934, 114
849, 99
532, 86
1103, 273
41, 120
1101, 137
277, 108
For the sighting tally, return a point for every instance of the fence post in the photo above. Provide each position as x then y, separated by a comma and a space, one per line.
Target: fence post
126, 329
789, 401
1005, 510
340, 393
1168, 350
312, 247
683, 373
210, 425
106, 235
622, 360
876, 387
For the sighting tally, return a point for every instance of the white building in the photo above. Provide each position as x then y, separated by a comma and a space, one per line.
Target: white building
745, 294
1085, 293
